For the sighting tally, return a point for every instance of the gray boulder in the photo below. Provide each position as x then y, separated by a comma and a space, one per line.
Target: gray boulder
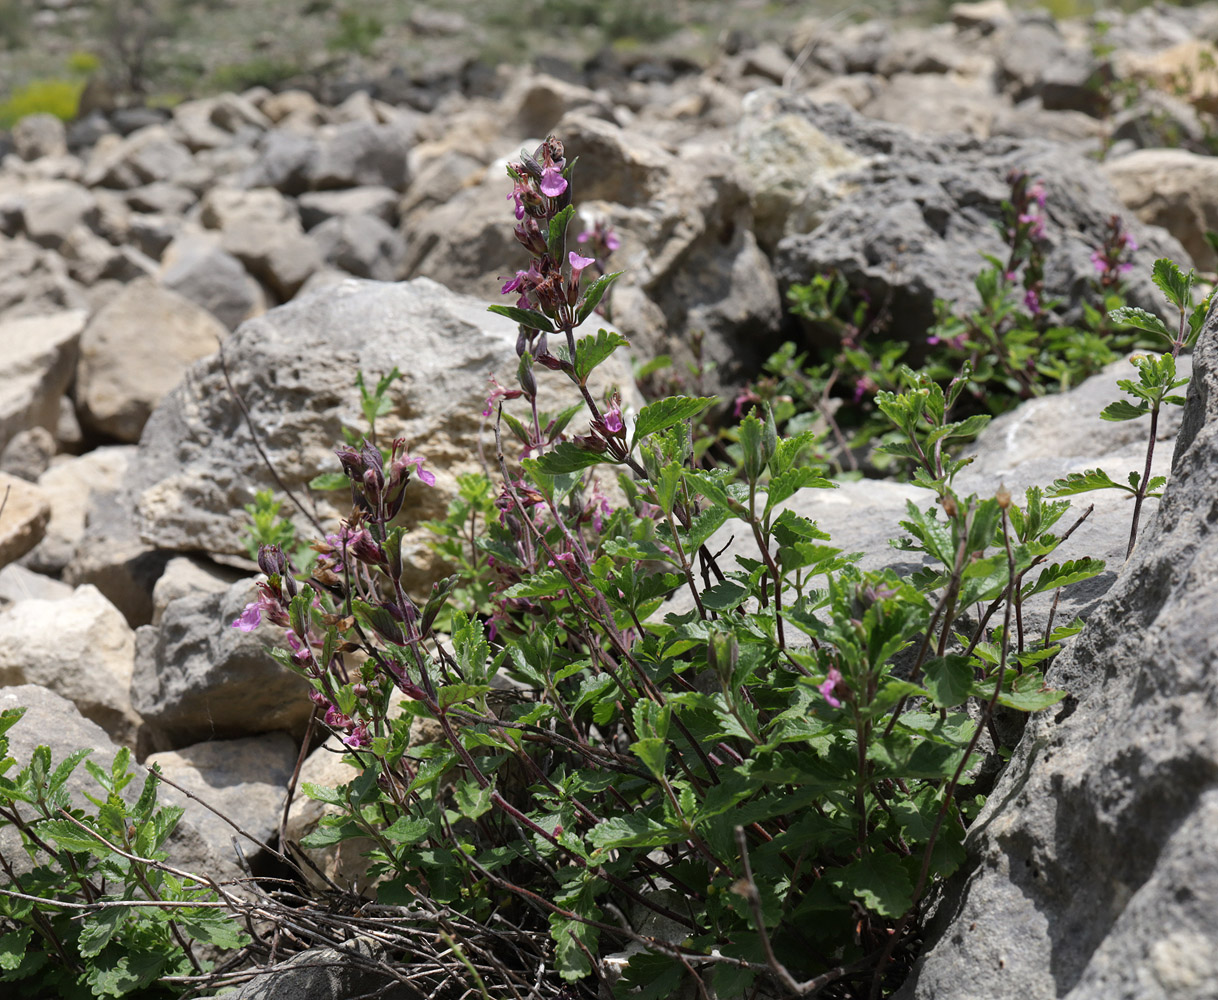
907, 224
295, 367
197, 678
1093, 869
38, 357
362, 245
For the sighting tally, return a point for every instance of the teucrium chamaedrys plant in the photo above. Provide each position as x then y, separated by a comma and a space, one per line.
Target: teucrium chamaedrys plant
1155, 386
757, 769
87, 909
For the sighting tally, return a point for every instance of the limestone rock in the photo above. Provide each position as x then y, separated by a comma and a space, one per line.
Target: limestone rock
67, 484
898, 227
197, 268
318, 206
1092, 869
359, 153
79, 647
28, 454
39, 135
38, 358
34, 281
50, 210
146, 155
362, 245
1172, 188
114, 395
20, 584
243, 778
197, 678
23, 519
184, 576
197, 466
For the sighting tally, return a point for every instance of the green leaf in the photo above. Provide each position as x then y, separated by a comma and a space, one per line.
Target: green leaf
329, 481
634, 830
97, 931
118, 972
949, 679
653, 752
13, 945
722, 596
571, 961
655, 977
566, 457
592, 297
591, 351
1084, 482
328, 834
557, 239
472, 799
1141, 319
405, 830
1028, 693
1064, 574
879, 882
219, 930
529, 318
546, 583
320, 793
1122, 409
70, 837
664, 413
1174, 284
791, 482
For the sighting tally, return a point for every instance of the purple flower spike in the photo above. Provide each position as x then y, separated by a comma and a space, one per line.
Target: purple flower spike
552, 182
828, 687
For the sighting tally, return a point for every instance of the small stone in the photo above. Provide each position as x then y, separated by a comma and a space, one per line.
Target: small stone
23, 522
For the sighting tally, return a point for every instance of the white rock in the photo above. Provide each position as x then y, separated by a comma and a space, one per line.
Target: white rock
79, 647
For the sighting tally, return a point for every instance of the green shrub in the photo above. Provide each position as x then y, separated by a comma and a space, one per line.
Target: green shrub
57, 96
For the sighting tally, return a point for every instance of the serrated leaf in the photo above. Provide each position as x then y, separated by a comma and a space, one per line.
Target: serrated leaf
1176, 285
1064, 574
326, 834
592, 297
96, 932
949, 679
1122, 409
724, 595
328, 482
472, 799
221, 931
566, 457
117, 972
1029, 694
557, 238
786, 485
652, 977
1084, 482
880, 882
1141, 319
653, 752
13, 946
546, 583
320, 793
529, 318
666, 412
590, 351
634, 830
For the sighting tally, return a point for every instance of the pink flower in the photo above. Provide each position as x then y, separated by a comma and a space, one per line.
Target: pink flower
578, 263
427, 477
497, 393
552, 182
1031, 299
358, 738
826, 689
250, 618
613, 420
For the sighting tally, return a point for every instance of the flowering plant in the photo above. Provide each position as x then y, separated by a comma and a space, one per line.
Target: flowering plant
769, 755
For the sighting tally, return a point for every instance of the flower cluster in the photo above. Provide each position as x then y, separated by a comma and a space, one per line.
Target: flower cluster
1023, 226
1114, 259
